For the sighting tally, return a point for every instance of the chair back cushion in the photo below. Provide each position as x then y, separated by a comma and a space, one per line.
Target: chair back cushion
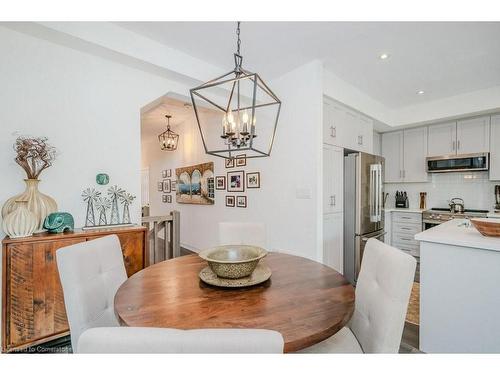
91, 272
382, 294
231, 233
168, 340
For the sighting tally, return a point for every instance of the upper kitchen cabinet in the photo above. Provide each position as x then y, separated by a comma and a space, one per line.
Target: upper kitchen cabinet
344, 127
392, 151
495, 148
377, 139
467, 136
405, 153
414, 154
473, 135
442, 139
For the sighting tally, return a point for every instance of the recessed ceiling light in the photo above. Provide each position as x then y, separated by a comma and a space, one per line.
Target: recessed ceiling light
384, 56
421, 92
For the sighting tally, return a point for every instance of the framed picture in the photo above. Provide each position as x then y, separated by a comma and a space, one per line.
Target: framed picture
167, 187
169, 199
220, 183
236, 181
229, 163
195, 184
253, 180
164, 198
241, 201
160, 186
241, 160
173, 185
164, 173
229, 200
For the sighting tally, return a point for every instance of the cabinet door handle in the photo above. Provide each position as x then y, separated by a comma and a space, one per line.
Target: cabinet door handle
360, 140
453, 146
400, 173
334, 200
458, 145
333, 131
331, 200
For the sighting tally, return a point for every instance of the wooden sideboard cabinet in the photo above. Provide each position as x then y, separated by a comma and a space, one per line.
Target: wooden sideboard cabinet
32, 299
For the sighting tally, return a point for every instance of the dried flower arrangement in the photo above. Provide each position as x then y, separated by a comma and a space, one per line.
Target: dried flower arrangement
34, 155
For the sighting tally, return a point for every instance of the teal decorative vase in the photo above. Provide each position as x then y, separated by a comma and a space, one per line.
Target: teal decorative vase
102, 179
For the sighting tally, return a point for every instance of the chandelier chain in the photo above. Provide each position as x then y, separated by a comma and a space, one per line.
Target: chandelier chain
239, 40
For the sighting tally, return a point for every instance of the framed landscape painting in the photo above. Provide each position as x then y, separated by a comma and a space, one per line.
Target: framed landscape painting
195, 184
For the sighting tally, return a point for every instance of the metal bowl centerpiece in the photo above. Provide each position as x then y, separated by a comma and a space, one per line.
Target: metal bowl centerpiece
233, 261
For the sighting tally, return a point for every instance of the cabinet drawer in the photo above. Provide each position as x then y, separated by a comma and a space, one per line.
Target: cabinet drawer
412, 252
406, 240
407, 217
407, 228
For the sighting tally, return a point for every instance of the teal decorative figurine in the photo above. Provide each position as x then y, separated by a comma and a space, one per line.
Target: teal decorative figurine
59, 222
102, 179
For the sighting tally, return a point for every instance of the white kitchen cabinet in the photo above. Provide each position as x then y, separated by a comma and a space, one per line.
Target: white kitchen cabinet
344, 127
334, 120
333, 179
473, 135
392, 151
365, 134
405, 225
442, 139
405, 152
377, 147
495, 148
414, 154
333, 244
388, 227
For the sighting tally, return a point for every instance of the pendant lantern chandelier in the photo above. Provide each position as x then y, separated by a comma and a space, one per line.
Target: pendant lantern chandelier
237, 113
168, 139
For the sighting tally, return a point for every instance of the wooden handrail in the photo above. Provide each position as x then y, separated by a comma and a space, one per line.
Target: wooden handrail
163, 236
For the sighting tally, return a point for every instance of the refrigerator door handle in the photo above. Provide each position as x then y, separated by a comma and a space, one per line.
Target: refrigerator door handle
375, 192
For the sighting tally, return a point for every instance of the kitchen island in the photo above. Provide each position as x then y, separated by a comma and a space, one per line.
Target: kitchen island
459, 290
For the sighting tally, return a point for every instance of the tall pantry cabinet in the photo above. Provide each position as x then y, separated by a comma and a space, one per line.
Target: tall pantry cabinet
333, 201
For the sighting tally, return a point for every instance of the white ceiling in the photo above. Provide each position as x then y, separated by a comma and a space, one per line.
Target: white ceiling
153, 121
443, 59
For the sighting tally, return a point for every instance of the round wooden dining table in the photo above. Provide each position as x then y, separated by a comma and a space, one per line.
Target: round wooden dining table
305, 301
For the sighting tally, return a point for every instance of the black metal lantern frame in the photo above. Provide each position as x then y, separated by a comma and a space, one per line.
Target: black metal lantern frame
237, 98
168, 139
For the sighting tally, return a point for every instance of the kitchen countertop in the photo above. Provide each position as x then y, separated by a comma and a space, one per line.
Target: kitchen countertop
451, 233
412, 210
494, 214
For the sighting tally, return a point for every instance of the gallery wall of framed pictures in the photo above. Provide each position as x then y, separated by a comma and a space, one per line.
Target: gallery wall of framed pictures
167, 186
235, 181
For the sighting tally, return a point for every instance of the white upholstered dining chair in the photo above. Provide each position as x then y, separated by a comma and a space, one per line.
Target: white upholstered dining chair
91, 272
233, 233
382, 294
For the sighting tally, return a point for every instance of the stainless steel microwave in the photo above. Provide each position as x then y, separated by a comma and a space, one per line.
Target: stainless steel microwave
458, 163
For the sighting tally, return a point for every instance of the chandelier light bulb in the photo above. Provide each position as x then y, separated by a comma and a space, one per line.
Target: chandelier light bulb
245, 117
230, 117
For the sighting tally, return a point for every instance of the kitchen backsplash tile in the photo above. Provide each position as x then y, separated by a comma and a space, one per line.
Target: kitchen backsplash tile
474, 188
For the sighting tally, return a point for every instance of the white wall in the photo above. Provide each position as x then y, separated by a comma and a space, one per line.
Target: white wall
474, 188
292, 223
88, 107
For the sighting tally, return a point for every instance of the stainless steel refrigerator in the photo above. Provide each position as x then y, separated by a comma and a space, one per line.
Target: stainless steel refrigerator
363, 207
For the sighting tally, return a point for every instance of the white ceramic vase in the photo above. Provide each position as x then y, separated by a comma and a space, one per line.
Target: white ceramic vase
21, 222
39, 204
